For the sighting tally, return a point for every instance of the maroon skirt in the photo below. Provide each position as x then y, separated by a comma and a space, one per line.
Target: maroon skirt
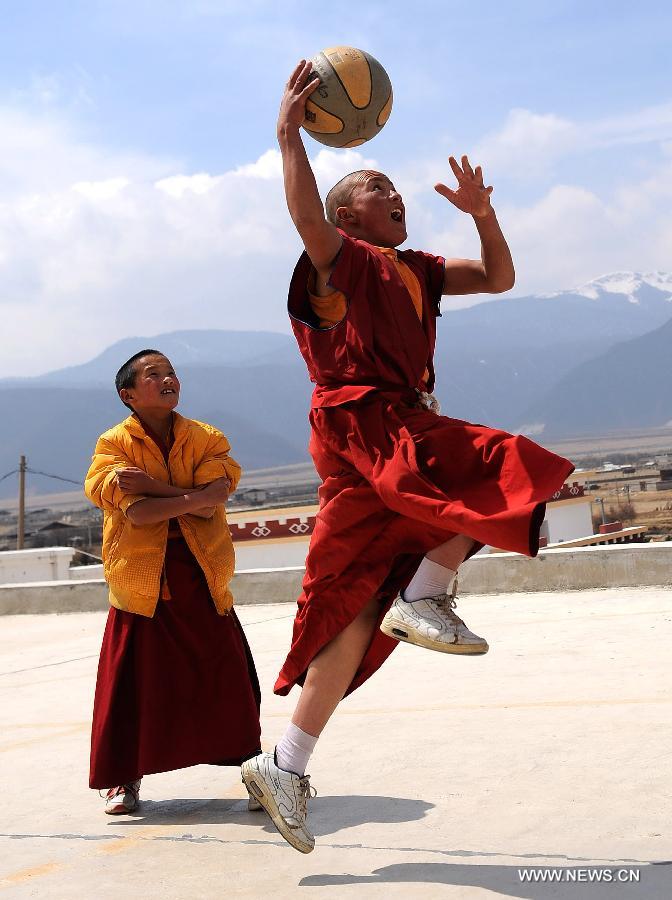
397, 482
175, 690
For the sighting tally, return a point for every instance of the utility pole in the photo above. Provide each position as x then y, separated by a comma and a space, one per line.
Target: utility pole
600, 500
20, 528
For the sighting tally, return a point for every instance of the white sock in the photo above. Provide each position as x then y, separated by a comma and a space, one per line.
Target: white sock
294, 749
430, 580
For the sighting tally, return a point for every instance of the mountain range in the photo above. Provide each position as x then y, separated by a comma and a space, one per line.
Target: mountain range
583, 361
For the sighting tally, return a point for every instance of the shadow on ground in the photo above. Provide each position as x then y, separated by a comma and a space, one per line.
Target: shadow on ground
328, 815
655, 880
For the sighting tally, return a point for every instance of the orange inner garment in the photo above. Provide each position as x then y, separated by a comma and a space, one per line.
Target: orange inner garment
331, 309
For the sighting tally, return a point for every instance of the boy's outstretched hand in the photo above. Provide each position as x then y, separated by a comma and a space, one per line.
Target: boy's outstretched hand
300, 86
471, 196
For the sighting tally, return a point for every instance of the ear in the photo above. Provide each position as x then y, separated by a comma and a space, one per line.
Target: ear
125, 395
346, 215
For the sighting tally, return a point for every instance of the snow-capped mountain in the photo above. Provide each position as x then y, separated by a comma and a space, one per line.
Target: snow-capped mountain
629, 284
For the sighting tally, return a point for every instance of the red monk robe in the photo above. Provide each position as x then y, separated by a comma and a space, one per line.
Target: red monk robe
398, 480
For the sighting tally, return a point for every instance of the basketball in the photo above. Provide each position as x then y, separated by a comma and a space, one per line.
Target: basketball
352, 101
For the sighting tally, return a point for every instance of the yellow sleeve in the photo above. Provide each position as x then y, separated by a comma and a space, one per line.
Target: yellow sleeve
330, 310
100, 485
216, 462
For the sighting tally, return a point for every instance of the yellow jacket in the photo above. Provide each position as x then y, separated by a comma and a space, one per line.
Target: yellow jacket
133, 555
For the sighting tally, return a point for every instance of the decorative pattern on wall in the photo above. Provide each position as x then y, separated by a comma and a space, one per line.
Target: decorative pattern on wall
568, 492
257, 527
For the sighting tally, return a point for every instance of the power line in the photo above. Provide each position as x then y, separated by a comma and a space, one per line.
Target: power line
13, 472
49, 475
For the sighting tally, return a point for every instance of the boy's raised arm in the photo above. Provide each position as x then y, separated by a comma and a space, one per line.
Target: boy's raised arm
493, 272
320, 238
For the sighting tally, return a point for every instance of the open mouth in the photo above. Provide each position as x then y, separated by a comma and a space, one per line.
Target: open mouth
168, 391
397, 215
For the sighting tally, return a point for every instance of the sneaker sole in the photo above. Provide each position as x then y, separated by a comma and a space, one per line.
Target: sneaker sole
120, 810
257, 787
401, 632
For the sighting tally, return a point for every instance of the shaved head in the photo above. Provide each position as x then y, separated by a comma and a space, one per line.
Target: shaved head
341, 193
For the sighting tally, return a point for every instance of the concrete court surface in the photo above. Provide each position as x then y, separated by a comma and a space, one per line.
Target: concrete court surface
441, 777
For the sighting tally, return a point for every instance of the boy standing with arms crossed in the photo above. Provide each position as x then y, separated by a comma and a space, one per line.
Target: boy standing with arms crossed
176, 682
407, 494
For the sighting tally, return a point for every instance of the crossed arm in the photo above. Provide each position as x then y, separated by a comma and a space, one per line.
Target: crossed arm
115, 483
165, 501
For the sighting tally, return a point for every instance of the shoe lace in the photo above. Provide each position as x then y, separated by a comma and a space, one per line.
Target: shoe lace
306, 793
447, 604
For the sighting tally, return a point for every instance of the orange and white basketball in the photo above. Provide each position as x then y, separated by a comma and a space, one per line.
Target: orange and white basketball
352, 101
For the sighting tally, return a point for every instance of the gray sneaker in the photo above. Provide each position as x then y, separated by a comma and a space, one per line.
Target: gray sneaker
432, 622
283, 795
123, 799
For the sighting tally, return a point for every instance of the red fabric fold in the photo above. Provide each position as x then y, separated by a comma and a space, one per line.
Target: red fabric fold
174, 690
397, 482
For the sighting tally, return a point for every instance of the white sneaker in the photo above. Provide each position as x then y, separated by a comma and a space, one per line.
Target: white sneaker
432, 623
123, 799
283, 795
252, 803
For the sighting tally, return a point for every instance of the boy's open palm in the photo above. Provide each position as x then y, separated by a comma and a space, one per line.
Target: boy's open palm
300, 86
471, 196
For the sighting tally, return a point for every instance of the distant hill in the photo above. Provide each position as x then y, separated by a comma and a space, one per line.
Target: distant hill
628, 386
509, 362
185, 348
495, 359
262, 409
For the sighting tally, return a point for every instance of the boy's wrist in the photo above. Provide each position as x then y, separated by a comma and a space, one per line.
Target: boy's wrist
195, 500
288, 130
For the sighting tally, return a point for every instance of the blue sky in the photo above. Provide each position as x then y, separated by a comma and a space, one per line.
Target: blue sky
140, 186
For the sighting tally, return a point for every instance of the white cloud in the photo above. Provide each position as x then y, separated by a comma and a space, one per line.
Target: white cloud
530, 144
40, 153
96, 245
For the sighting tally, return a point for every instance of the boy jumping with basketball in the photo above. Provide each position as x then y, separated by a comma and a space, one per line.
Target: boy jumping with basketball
407, 494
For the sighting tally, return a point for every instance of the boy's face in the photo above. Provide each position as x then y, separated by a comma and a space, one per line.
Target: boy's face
376, 211
156, 388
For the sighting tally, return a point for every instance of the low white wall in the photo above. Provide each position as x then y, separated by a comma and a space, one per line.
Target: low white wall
53, 597
43, 564
608, 566
568, 522
86, 573
271, 554
616, 565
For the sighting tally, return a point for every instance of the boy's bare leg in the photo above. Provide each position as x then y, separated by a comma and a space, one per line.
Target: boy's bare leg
453, 553
332, 670
277, 779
